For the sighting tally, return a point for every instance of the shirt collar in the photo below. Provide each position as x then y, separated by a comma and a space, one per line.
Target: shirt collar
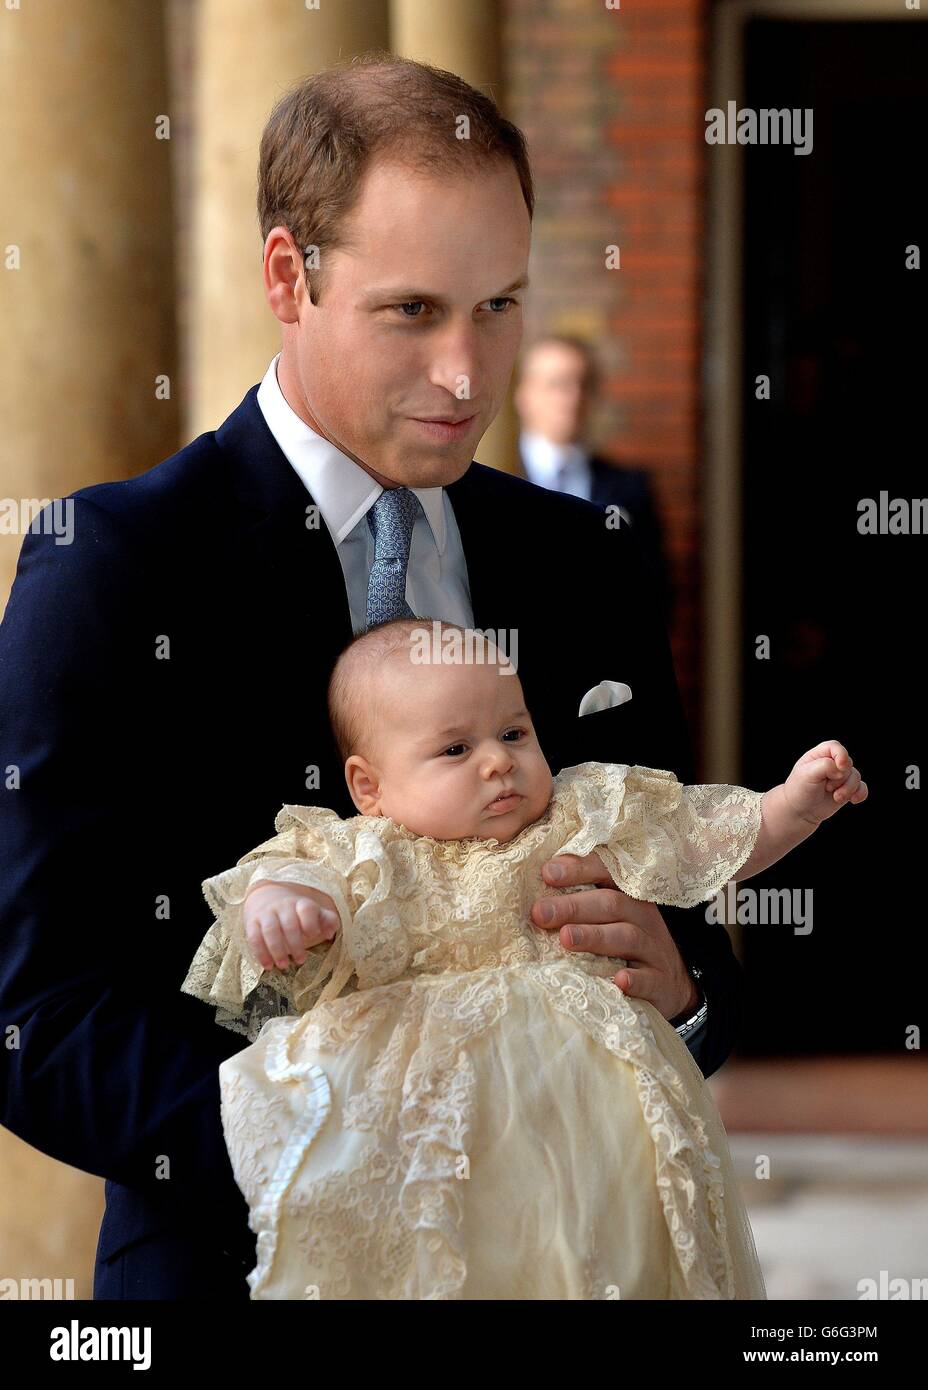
342, 490
545, 457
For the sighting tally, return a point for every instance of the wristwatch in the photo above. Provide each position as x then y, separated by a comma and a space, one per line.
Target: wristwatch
696, 1020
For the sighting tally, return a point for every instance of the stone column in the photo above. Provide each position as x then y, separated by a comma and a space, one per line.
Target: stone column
247, 54
464, 39
87, 290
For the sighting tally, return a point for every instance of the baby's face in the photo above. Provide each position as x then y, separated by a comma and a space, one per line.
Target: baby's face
449, 740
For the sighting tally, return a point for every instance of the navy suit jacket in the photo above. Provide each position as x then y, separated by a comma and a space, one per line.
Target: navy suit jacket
162, 694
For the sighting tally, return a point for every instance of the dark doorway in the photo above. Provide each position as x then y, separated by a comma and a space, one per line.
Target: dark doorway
834, 318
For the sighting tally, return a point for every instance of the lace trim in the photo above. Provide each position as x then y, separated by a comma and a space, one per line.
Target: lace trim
695, 1212
431, 1119
662, 841
264, 1220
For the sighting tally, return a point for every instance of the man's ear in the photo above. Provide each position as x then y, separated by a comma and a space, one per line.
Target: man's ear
363, 785
283, 275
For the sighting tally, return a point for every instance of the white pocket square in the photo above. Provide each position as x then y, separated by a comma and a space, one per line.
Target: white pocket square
604, 696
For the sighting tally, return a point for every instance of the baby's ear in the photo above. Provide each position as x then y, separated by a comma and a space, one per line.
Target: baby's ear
363, 785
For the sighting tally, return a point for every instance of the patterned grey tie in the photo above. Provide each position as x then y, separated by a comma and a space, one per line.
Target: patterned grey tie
391, 520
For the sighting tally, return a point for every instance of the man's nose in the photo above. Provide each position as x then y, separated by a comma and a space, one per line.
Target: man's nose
455, 363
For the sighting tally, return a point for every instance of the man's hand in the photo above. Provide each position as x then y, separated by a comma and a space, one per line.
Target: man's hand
607, 922
286, 919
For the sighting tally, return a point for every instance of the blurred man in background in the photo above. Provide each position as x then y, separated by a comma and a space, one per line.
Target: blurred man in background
557, 384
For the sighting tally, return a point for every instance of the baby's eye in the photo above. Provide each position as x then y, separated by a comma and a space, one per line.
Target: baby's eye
450, 751
519, 733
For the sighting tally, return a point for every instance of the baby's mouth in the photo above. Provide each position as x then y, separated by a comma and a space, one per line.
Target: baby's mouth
505, 801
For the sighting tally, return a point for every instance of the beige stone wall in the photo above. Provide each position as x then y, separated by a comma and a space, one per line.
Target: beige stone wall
49, 1218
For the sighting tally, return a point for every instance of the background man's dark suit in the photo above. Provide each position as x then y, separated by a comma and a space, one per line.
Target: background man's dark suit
631, 488
141, 777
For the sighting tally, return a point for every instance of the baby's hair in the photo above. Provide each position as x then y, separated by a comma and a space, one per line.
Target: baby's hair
351, 683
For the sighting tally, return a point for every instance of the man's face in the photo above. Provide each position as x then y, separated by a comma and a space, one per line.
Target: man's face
416, 319
553, 395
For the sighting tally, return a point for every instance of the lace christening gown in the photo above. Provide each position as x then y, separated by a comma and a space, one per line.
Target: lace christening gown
444, 1102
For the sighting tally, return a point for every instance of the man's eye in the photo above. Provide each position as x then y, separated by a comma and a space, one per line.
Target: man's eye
419, 303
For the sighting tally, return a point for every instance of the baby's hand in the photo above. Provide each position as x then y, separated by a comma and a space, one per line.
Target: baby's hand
286, 919
822, 781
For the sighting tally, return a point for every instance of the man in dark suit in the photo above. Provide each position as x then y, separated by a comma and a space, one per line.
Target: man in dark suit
163, 677
558, 379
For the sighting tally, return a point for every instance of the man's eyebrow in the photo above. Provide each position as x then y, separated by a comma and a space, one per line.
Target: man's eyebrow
404, 294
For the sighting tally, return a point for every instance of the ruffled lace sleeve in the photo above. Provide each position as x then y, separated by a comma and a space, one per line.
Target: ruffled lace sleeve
306, 850
660, 840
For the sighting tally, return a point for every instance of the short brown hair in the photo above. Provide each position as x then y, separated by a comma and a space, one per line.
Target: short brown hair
324, 131
581, 346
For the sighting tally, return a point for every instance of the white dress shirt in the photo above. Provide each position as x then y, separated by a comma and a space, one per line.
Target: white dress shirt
436, 577
561, 467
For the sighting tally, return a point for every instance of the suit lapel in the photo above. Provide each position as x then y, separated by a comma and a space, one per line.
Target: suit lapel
299, 562
599, 492
471, 510
508, 596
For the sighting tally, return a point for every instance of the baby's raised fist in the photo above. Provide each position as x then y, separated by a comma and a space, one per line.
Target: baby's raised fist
822, 781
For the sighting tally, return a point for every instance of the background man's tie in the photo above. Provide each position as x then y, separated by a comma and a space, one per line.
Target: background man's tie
391, 520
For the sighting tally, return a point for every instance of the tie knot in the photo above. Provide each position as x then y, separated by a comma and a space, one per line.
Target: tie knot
391, 519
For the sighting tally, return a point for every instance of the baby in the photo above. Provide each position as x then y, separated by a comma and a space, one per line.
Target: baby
450, 753
440, 1100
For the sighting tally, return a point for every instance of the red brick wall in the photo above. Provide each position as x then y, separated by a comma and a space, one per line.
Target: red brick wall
613, 106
